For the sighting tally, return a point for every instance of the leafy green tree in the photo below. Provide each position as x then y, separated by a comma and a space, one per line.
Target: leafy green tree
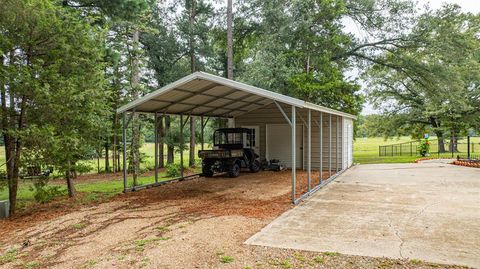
47, 52
297, 53
435, 83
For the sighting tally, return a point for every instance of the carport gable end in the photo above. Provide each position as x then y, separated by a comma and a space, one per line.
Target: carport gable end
312, 135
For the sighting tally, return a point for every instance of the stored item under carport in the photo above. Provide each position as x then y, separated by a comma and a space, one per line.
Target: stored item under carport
275, 165
230, 153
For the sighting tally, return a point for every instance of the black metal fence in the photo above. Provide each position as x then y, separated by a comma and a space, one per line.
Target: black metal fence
453, 147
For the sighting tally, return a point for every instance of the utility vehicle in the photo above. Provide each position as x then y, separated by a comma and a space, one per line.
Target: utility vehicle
232, 151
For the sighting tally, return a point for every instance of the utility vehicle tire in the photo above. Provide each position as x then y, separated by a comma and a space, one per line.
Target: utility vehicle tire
255, 166
234, 170
207, 170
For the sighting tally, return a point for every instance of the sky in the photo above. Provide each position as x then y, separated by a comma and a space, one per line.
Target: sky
467, 6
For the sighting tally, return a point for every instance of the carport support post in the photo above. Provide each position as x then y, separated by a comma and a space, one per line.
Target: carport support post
124, 137
321, 146
156, 147
201, 132
181, 146
329, 145
337, 146
294, 159
309, 161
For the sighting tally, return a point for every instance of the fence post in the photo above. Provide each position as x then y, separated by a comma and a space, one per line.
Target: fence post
411, 148
468, 147
452, 146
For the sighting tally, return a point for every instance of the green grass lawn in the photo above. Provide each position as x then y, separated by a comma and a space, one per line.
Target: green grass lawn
93, 191
365, 150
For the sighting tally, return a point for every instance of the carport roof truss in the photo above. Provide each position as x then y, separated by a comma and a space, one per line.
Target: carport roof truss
203, 94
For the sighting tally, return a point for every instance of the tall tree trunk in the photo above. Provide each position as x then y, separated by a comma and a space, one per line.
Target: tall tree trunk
8, 140
230, 39
118, 157
135, 83
14, 148
135, 148
453, 142
193, 68
98, 162
440, 141
72, 192
191, 21
161, 138
107, 161
115, 120
170, 149
114, 151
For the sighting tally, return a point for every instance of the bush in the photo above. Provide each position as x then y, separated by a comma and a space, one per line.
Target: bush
83, 168
3, 180
424, 148
44, 193
172, 170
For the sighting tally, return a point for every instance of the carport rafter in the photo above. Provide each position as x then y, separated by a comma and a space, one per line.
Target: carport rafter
213, 108
223, 97
185, 112
190, 95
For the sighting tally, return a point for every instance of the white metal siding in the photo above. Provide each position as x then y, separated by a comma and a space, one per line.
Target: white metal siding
279, 143
347, 143
270, 114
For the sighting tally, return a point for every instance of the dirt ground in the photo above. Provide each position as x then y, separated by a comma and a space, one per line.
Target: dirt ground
198, 223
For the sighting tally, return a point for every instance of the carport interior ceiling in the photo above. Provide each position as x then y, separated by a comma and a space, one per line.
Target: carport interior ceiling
203, 94
203, 97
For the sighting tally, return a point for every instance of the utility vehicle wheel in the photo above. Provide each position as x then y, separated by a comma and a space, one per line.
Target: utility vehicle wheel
234, 170
255, 166
207, 170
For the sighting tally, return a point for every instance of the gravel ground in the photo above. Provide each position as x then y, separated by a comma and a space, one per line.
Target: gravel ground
200, 223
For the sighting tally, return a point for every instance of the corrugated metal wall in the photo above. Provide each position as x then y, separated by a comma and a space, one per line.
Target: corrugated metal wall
271, 115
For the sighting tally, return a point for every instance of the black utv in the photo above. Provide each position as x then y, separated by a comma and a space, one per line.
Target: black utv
229, 153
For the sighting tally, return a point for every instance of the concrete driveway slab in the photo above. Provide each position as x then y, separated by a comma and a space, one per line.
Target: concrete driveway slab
426, 211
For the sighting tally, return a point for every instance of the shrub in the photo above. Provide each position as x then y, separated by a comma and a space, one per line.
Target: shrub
172, 170
3, 180
44, 193
83, 168
424, 147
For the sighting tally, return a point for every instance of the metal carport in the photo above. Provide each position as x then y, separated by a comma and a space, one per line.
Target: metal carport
206, 95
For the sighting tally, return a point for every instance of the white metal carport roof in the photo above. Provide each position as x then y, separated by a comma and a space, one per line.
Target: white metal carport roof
203, 94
